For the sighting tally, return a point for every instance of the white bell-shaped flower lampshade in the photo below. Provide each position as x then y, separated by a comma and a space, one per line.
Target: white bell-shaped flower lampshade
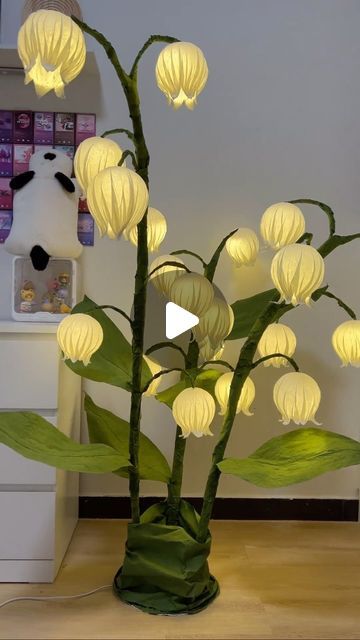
156, 230
164, 277
346, 342
277, 338
216, 323
52, 50
155, 368
193, 292
297, 397
222, 393
243, 247
79, 336
92, 156
181, 73
297, 270
281, 224
117, 197
194, 411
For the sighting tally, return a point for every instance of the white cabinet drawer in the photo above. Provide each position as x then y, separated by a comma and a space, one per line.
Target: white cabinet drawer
17, 470
27, 525
28, 371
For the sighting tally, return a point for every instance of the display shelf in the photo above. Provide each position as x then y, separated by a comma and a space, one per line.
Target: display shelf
13, 326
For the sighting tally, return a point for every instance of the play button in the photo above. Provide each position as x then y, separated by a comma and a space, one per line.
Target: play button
178, 320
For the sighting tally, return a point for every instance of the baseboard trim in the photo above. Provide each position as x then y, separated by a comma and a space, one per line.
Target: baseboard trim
234, 508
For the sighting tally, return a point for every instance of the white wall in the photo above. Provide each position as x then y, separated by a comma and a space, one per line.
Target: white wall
278, 120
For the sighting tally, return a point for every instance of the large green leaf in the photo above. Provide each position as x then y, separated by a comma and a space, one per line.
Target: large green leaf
246, 311
206, 379
294, 457
112, 363
34, 437
108, 428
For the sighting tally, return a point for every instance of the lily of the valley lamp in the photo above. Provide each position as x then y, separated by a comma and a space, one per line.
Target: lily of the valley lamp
117, 198
52, 49
79, 336
165, 569
346, 342
92, 156
297, 397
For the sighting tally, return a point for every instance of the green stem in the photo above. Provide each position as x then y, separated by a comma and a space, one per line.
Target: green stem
242, 370
341, 304
130, 89
276, 355
324, 207
174, 486
210, 268
146, 45
181, 252
127, 153
110, 132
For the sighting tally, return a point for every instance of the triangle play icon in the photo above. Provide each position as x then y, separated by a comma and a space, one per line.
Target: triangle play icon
178, 320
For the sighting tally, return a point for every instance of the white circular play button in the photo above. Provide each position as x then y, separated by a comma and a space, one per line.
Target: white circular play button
178, 320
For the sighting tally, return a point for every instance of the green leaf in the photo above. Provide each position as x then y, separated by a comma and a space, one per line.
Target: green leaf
34, 437
206, 379
112, 363
246, 311
294, 457
108, 428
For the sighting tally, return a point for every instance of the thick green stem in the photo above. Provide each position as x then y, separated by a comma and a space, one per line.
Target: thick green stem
174, 486
242, 370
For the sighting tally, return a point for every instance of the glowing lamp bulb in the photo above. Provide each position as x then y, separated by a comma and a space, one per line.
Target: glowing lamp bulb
92, 156
346, 342
297, 397
156, 230
222, 393
117, 198
277, 338
243, 247
281, 224
52, 50
297, 270
193, 411
181, 73
79, 336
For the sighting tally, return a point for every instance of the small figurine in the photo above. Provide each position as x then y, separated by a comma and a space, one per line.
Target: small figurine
47, 301
27, 295
64, 284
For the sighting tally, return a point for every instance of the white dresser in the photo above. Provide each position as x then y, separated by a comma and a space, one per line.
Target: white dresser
38, 504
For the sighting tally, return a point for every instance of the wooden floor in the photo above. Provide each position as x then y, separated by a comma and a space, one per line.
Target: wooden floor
278, 580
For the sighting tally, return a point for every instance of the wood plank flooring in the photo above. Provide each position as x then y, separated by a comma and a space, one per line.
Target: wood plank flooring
278, 580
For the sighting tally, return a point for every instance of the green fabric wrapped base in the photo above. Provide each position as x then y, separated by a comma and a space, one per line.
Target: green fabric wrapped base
165, 570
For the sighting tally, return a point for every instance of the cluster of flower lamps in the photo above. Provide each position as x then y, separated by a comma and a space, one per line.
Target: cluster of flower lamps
52, 48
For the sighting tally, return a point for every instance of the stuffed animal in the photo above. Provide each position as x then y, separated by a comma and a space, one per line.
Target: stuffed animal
45, 210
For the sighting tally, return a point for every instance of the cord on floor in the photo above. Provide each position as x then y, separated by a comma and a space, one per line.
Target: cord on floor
55, 598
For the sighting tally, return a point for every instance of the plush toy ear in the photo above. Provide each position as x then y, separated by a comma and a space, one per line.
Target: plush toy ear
65, 182
21, 180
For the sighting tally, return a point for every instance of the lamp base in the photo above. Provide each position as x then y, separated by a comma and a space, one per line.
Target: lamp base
165, 570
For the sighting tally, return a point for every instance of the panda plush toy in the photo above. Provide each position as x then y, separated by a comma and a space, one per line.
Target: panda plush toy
45, 210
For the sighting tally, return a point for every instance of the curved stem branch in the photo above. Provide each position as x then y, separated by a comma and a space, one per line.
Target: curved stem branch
164, 345
211, 266
107, 46
189, 253
125, 155
276, 355
110, 132
120, 311
341, 304
324, 207
170, 264
221, 362
164, 372
146, 45
306, 237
